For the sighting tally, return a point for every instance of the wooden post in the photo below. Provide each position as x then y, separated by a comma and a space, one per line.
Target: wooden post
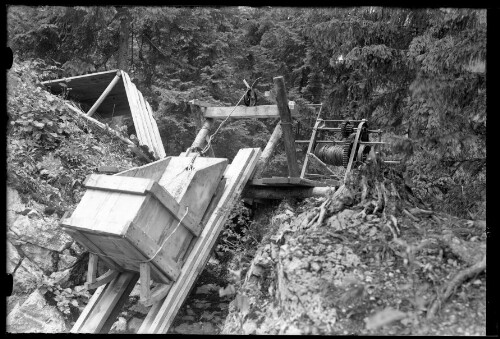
286, 125
92, 269
202, 134
268, 151
145, 281
104, 94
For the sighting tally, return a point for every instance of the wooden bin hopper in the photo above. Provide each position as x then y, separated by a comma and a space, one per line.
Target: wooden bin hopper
144, 219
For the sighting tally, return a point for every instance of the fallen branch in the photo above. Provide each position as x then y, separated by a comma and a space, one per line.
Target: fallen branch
454, 283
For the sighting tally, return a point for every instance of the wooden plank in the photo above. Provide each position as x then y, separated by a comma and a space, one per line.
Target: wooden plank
153, 171
94, 300
268, 151
354, 146
286, 125
149, 248
282, 181
145, 272
242, 112
146, 121
237, 175
156, 131
110, 298
97, 75
104, 94
102, 280
134, 109
142, 118
118, 183
278, 193
92, 268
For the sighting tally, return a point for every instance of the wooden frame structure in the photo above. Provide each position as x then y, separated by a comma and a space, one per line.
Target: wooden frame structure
111, 94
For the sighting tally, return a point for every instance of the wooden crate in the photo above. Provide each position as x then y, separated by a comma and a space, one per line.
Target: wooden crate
125, 218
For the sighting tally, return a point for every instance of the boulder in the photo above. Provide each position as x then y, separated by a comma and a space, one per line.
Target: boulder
14, 204
35, 315
27, 277
42, 232
66, 260
42, 257
13, 257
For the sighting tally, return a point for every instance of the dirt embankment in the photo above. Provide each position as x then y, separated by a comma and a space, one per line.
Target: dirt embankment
366, 260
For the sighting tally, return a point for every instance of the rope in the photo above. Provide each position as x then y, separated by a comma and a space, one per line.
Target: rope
209, 143
159, 249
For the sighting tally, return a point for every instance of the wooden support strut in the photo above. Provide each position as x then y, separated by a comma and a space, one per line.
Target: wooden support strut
286, 125
268, 151
104, 94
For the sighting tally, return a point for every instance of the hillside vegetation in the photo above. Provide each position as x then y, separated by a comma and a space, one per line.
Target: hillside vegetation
397, 250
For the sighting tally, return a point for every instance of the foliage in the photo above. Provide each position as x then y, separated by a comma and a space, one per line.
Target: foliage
50, 150
417, 73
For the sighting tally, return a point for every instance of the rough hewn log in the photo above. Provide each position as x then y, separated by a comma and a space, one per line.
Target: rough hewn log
286, 125
277, 193
268, 152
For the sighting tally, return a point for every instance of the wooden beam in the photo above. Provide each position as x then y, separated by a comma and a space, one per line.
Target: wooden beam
268, 151
92, 268
103, 279
202, 135
145, 272
278, 193
237, 175
105, 304
286, 125
104, 127
242, 112
104, 94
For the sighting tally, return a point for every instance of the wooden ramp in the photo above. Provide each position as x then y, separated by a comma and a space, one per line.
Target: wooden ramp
105, 304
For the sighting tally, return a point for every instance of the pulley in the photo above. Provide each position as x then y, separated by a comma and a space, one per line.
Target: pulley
250, 98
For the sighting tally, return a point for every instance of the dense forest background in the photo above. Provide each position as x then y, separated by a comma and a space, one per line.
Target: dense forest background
419, 74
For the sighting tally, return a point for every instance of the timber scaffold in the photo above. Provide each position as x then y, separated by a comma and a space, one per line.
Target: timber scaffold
147, 224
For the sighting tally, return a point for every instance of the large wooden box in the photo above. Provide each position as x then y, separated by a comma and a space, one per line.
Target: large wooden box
149, 211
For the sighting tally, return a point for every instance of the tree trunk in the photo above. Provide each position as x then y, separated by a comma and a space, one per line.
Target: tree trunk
125, 20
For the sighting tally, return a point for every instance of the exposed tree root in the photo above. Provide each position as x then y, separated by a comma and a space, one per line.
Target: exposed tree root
454, 283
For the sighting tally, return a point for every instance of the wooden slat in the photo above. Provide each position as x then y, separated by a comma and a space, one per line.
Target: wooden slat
151, 141
282, 181
118, 183
102, 280
134, 109
162, 153
153, 171
110, 298
153, 128
94, 300
237, 175
262, 111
